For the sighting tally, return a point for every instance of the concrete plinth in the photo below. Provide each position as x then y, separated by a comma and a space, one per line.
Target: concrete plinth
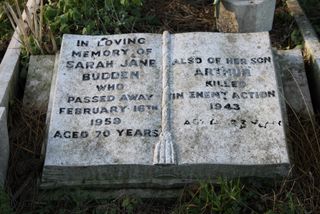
38, 83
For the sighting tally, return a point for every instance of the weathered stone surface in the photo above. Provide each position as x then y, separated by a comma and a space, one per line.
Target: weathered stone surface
202, 104
38, 83
252, 15
4, 145
127, 100
228, 111
295, 83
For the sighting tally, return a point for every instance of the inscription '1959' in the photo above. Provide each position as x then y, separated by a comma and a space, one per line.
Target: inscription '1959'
105, 121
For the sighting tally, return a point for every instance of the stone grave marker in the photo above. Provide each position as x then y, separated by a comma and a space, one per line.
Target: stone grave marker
156, 111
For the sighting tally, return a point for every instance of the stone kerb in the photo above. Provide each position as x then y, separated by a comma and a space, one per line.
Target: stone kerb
4, 146
290, 65
311, 48
9, 69
252, 15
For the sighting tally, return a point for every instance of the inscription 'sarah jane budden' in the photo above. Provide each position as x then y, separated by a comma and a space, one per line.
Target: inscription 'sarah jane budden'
151, 110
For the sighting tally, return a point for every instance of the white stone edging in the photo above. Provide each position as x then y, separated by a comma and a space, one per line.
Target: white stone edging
9, 70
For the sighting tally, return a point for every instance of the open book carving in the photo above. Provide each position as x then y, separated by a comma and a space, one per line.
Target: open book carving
135, 107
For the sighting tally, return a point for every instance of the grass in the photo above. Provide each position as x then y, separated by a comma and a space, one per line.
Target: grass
94, 17
36, 37
285, 32
4, 202
225, 197
5, 28
5, 32
298, 193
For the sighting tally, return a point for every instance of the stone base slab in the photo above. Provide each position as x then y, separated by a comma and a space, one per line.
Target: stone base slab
151, 177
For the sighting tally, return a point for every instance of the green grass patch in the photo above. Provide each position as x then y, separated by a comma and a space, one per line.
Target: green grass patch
6, 30
52, 19
96, 17
4, 202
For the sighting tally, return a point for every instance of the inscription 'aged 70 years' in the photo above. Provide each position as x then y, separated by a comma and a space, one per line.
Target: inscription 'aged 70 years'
181, 100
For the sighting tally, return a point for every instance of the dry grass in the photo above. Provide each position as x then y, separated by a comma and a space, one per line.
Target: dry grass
302, 186
26, 132
283, 27
181, 16
35, 36
304, 138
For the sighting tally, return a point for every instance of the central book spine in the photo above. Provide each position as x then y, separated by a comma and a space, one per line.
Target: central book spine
164, 153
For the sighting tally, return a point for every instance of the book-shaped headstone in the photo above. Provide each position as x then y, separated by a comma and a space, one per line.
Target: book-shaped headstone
150, 110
